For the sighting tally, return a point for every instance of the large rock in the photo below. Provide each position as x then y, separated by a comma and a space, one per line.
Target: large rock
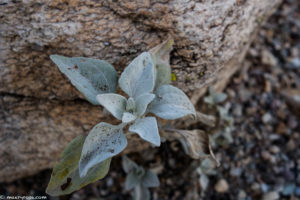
40, 112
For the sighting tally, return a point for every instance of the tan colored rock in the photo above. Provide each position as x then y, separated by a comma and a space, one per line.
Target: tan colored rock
40, 111
221, 186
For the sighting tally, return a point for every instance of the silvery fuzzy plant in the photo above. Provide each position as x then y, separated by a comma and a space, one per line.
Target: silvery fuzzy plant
146, 81
225, 119
138, 179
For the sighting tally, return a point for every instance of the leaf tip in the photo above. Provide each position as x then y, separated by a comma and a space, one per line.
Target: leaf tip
169, 43
53, 57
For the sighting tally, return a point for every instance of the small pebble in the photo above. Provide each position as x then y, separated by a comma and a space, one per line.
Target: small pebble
288, 189
222, 186
271, 196
297, 191
266, 155
268, 58
109, 181
296, 62
275, 149
255, 187
242, 195
267, 118
236, 172
264, 187
106, 43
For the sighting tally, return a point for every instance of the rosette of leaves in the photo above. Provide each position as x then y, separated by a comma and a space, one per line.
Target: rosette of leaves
138, 179
146, 82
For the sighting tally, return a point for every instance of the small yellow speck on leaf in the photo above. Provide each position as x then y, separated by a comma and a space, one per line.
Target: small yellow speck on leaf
173, 77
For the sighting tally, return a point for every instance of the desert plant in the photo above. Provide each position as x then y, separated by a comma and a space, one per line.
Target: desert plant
138, 179
146, 81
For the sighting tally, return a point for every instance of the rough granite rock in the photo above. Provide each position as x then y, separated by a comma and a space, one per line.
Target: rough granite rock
40, 111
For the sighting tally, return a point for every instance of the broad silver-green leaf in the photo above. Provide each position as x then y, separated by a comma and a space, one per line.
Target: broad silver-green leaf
128, 117
161, 58
147, 129
104, 141
138, 76
114, 103
142, 102
132, 180
128, 165
65, 177
171, 103
150, 179
90, 76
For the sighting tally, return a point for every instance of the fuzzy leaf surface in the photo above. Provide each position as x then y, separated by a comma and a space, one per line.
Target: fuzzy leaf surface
65, 177
171, 103
132, 180
114, 103
128, 165
90, 76
128, 117
150, 179
142, 102
104, 141
147, 129
138, 76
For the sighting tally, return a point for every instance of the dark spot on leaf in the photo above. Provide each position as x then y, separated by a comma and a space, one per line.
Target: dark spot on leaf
103, 88
75, 67
67, 184
111, 150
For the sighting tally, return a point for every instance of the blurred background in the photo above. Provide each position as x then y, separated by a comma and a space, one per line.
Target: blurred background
257, 147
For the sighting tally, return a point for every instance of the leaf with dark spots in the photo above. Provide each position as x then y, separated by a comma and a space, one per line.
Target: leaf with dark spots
65, 185
103, 137
65, 177
90, 76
